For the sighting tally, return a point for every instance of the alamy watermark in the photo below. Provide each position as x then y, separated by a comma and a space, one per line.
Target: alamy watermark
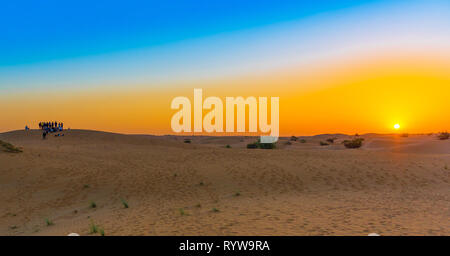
257, 109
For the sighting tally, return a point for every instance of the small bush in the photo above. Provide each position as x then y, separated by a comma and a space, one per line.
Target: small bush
323, 143
260, 145
331, 140
93, 205
404, 135
265, 145
9, 148
444, 136
293, 138
215, 210
228, 146
182, 212
355, 143
237, 193
187, 141
302, 141
252, 145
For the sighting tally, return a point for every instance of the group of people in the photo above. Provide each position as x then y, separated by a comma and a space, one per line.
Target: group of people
50, 127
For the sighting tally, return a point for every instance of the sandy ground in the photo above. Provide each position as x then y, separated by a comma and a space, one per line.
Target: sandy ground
392, 186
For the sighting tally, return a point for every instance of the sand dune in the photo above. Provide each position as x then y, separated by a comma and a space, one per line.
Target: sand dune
391, 186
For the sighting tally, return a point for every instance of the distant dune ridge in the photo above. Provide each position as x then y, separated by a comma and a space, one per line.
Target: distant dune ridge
392, 185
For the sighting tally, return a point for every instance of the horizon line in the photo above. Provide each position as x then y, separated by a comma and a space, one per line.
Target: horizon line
227, 134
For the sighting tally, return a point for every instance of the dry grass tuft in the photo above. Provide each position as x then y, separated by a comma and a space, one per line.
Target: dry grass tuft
9, 148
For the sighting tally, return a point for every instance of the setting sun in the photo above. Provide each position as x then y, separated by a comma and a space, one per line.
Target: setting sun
396, 126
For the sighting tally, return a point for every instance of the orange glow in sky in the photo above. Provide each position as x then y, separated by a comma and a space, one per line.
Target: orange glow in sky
349, 97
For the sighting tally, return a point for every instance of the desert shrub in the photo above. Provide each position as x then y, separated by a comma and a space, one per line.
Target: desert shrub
444, 136
293, 138
404, 135
323, 143
187, 141
260, 145
266, 145
302, 141
355, 143
228, 146
331, 140
252, 145
9, 148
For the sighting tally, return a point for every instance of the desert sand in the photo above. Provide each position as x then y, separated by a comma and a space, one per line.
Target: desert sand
393, 185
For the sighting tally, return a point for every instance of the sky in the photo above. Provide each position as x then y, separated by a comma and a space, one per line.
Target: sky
337, 66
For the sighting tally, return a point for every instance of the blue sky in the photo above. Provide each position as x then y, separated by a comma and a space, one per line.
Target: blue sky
81, 44
36, 31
